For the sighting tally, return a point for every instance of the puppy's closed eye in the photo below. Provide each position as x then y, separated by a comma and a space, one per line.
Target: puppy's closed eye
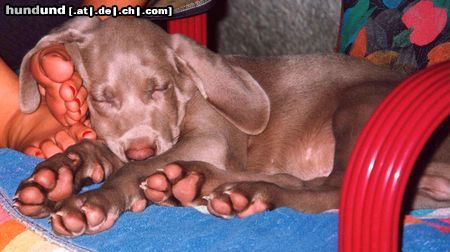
157, 91
105, 99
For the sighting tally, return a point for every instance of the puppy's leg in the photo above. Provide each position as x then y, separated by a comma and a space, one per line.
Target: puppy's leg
64, 174
246, 198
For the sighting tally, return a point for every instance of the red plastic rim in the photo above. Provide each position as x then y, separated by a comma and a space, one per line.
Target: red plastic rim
193, 27
383, 157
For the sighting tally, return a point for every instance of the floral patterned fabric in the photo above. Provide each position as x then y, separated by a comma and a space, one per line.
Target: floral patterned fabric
403, 34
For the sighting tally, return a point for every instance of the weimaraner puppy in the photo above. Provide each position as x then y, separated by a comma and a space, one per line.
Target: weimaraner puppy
181, 125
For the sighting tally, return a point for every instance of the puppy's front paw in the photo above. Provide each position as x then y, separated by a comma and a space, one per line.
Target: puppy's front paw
60, 176
242, 199
174, 185
88, 213
51, 182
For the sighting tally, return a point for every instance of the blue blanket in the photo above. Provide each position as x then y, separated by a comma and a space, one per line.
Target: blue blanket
185, 229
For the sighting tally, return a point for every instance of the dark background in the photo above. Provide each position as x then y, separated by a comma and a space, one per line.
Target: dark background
250, 27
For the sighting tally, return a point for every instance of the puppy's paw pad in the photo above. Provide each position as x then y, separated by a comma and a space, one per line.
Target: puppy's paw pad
239, 201
187, 188
68, 224
46, 178
220, 207
173, 172
31, 194
254, 207
64, 185
158, 182
156, 187
154, 195
94, 215
139, 205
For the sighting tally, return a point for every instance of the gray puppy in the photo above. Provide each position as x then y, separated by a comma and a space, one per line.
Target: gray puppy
181, 125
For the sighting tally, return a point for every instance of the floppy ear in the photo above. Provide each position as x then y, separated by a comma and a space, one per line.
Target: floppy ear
71, 34
230, 89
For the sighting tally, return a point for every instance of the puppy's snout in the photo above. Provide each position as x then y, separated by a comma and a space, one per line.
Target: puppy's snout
140, 151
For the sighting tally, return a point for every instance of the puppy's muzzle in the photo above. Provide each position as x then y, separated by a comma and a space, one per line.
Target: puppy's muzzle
140, 151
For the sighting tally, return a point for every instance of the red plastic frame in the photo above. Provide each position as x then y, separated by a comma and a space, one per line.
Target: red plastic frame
193, 27
383, 157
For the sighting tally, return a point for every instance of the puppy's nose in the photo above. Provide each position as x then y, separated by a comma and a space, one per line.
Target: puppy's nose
140, 152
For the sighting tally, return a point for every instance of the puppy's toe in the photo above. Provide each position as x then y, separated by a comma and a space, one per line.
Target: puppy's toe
95, 216
187, 189
68, 223
257, 206
156, 187
220, 207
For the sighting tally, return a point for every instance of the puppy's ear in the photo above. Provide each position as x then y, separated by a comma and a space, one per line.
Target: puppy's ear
231, 90
71, 34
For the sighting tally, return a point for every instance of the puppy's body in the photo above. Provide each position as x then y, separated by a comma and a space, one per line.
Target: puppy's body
306, 92
249, 134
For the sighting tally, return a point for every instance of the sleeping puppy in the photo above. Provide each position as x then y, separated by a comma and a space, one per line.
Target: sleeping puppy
181, 125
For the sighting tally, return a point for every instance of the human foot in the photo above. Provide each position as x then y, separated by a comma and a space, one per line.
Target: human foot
60, 85
60, 141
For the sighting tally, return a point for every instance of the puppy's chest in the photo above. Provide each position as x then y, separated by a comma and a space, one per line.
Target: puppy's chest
306, 154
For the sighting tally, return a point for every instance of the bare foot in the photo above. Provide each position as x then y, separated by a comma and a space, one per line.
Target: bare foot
60, 85
65, 98
60, 141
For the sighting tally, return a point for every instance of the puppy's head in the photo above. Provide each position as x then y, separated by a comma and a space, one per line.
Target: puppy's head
139, 80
